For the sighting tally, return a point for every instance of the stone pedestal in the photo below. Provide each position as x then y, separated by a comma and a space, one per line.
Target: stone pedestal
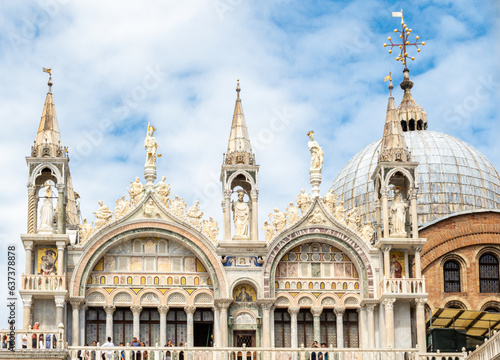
315, 181
150, 176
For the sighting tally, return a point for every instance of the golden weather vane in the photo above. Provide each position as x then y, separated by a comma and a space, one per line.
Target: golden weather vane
48, 71
404, 35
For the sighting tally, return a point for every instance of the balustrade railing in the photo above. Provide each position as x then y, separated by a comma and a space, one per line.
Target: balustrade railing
402, 286
43, 282
489, 350
33, 339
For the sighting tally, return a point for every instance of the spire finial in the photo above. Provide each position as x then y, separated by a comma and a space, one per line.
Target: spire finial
389, 77
238, 89
49, 71
404, 36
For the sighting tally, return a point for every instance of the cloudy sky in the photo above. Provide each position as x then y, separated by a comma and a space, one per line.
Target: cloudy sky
302, 65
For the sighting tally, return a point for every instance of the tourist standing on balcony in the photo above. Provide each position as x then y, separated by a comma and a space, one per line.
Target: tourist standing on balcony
92, 353
109, 354
40, 342
25, 341
33, 341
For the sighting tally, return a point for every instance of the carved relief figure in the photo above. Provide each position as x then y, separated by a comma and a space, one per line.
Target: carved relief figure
317, 217
353, 219
85, 231
330, 200
148, 209
47, 210
163, 190
195, 215
303, 201
293, 213
135, 191
279, 220
339, 211
367, 231
316, 152
268, 231
241, 215
178, 207
211, 228
398, 214
122, 207
103, 214
150, 145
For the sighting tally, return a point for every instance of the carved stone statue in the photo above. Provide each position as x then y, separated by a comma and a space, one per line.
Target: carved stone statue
211, 229
122, 207
316, 152
279, 220
268, 231
135, 191
293, 213
241, 215
317, 217
178, 207
149, 209
353, 219
398, 214
195, 215
303, 201
86, 230
330, 200
163, 191
47, 210
103, 214
339, 211
367, 231
150, 145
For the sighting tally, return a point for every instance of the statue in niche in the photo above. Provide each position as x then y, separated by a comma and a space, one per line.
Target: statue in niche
241, 215
268, 231
195, 215
103, 214
122, 207
316, 153
163, 190
178, 206
211, 228
303, 201
293, 213
135, 191
85, 231
148, 209
47, 210
150, 145
398, 214
279, 220
330, 200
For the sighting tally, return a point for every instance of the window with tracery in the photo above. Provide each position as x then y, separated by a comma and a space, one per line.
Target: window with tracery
488, 274
451, 272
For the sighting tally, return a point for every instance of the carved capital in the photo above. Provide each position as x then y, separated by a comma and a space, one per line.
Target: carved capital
75, 304
266, 304
28, 245
417, 248
293, 310
60, 187
223, 304
389, 303
227, 194
60, 245
420, 302
109, 309
27, 300
413, 193
60, 301
386, 248
339, 310
370, 308
254, 194
136, 309
163, 309
190, 309
316, 310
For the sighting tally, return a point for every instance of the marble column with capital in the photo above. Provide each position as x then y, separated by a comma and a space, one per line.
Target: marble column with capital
136, 313
61, 213
266, 305
385, 212
27, 302
254, 229
28, 247
227, 215
339, 312
163, 310
389, 321
420, 320
60, 301
316, 313
109, 310
418, 265
61, 245
217, 339
190, 310
271, 318
294, 338
370, 308
223, 305
413, 212
387, 260
76, 321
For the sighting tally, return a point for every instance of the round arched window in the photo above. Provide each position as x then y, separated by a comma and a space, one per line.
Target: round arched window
488, 274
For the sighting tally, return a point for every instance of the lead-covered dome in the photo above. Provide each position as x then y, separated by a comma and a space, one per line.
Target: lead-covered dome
452, 177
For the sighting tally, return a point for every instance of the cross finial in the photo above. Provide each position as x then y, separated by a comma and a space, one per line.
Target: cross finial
405, 42
238, 89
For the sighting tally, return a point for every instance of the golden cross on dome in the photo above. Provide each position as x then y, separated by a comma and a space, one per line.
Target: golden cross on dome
405, 42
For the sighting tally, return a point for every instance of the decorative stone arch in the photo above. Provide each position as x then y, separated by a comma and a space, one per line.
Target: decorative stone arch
490, 302
244, 312
358, 255
487, 249
120, 291
169, 295
464, 265
107, 298
352, 301
404, 172
198, 294
457, 301
283, 300
328, 300
304, 296
246, 281
244, 173
145, 228
55, 176
144, 292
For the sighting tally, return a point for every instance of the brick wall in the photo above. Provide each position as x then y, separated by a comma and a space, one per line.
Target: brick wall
462, 238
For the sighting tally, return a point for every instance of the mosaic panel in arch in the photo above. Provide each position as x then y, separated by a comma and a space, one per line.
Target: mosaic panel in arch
149, 261
316, 266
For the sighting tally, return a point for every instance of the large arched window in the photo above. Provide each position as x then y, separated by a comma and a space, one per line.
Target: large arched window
488, 274
451, 271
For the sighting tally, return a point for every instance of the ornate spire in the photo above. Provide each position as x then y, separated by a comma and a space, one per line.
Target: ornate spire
239, 150
48, 139
412, 116
393, 147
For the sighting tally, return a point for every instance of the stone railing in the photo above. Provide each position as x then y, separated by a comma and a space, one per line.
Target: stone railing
29, 339
43, 282
443, 356
243, 353
489, 350
402, 286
